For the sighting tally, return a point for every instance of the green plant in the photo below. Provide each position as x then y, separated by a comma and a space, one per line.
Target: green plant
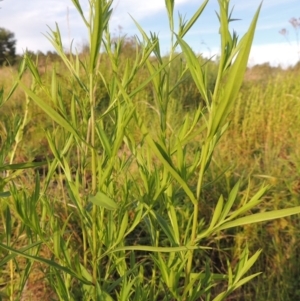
126, 221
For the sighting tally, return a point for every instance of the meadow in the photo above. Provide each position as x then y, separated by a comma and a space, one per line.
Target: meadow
127, 174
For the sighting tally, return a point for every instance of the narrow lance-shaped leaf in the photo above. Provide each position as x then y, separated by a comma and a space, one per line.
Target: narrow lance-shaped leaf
78, 7
21, 71
56, 41
5, 194
260, 217
170, 8
217, 213
96, 32
123, 228
102, 200
51, 112
8, 227
245, 280
104, 139
195, 68
246, 266
230, 201
165, 227
11, 256
54, 87
45, 261
174, 222
100, 17
187, 26
167, 165
19, 166
250, 204
33, 69
155, 249
234, 78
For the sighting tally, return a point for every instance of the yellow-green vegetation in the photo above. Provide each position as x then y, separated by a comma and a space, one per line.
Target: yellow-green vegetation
128, 175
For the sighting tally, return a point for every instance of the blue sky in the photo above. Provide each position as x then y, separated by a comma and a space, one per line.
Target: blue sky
29, 20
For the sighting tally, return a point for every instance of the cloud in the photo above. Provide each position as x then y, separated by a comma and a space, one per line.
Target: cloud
29, 20
276, 54
143, 9
34, 16
253, 5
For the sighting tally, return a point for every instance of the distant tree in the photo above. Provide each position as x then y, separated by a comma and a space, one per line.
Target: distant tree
7, 47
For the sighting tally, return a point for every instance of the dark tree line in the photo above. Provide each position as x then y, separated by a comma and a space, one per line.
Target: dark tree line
7, 47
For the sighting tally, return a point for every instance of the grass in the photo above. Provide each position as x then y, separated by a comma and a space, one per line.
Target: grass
134, 191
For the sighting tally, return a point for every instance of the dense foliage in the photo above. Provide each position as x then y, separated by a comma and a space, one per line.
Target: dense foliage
7, 47
132, 176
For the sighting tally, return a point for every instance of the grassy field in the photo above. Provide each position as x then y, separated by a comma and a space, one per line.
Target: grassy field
128, 175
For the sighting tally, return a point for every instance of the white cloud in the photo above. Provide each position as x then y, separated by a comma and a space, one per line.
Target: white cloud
276, 54
29, 20
253, 4
34, 16
142, 9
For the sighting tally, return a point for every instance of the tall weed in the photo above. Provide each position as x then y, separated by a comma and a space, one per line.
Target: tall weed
120, 213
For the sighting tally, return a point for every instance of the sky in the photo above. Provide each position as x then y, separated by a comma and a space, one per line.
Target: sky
31, 20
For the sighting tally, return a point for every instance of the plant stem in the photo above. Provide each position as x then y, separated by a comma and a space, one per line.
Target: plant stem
94, 180
196, 210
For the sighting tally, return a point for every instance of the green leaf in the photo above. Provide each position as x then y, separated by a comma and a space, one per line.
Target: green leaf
217, 213
78, 7
192, 21
234, 77
55, 116
245, 280
156, 249
8, 227
170, 8
5, 194
137, 219
167, 229
260, 217
102, 200
167, 165
12, 256
22, 165
123, 228
256, 199
230, 201
33, 69
104, 140
174, 222
21, 70
46, 261
246, 266
100, 17
195, 69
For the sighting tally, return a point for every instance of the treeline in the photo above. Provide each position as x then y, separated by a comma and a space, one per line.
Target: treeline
186, 91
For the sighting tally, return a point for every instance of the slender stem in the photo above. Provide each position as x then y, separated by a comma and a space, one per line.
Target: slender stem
11, 267
19, 135
193, 236
196, 210
94, 179
85, 153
